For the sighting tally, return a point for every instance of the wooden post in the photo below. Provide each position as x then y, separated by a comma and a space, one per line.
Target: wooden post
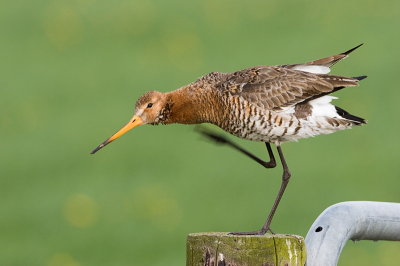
221, 249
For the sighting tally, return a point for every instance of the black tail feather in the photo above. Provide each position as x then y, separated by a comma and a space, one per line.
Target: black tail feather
359, 78
357, 120
351, 50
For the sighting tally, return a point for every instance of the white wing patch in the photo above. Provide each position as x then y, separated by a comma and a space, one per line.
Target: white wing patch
287, 110
313, 69
322, 107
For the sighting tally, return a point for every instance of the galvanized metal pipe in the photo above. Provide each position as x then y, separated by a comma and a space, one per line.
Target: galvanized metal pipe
354, 220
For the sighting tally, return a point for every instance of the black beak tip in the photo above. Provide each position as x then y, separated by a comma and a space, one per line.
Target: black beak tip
94, 151
98, 148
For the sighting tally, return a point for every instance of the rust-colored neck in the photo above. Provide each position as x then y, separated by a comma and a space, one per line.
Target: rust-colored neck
190, 105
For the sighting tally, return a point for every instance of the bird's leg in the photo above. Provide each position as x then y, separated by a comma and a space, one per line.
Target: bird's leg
222, 140
271, 164
285, 180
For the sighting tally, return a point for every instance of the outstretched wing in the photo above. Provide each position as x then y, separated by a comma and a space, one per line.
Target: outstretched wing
321, 66
275, 88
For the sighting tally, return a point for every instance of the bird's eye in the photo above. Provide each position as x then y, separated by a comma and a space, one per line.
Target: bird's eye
149, 105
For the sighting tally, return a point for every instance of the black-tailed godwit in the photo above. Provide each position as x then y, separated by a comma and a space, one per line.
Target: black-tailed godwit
271, 104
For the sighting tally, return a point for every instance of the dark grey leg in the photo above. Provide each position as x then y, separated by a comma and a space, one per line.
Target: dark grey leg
222, 140
271, 164
285, 180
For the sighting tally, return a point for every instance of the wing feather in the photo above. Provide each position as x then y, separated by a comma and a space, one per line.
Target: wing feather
276, 87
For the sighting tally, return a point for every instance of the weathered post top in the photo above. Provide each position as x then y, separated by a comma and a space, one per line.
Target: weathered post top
221, 249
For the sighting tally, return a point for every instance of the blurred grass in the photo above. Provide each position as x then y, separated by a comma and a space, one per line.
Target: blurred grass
71, 73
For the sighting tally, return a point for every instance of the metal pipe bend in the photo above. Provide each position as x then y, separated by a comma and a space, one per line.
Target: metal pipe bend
353, 220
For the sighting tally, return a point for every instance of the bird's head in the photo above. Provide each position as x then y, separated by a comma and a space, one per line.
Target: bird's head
150, 108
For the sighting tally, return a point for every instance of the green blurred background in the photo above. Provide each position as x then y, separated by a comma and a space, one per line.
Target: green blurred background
71, 72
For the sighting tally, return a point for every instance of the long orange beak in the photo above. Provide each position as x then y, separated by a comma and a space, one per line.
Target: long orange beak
135, 121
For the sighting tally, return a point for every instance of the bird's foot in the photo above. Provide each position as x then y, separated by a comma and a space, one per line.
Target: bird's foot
260, 232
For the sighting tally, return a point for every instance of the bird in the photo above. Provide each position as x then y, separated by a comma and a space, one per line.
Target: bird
270, 104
